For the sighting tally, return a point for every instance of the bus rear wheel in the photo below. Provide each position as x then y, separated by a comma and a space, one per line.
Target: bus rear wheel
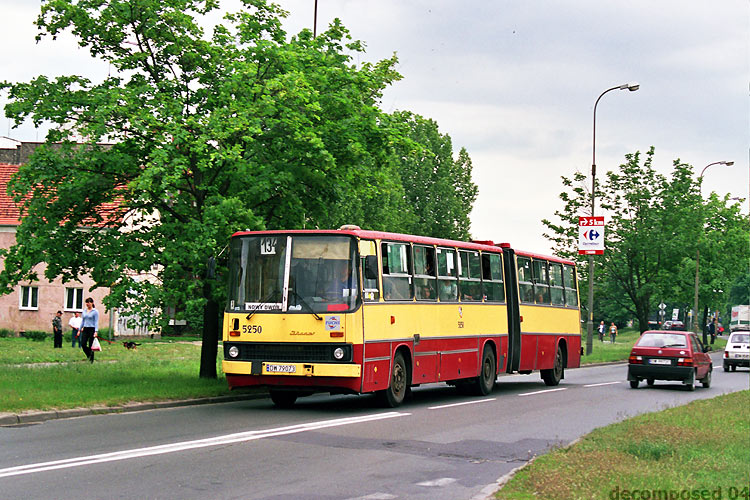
395, 394
555, 374
283, 399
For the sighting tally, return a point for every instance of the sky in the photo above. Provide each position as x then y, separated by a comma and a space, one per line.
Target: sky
515, 82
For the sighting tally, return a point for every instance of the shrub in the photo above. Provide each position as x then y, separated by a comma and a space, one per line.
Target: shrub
35, 335
4, 332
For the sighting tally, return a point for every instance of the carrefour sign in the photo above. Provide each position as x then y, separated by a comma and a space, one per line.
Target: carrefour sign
591, 235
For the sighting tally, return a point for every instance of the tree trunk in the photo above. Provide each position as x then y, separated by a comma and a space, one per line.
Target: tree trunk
641, 312
209, 346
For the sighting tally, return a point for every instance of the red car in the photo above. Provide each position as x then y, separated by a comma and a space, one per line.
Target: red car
669, 355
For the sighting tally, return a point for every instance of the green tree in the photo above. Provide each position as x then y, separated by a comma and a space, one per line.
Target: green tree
439, 188
739, 293
654, 228
239, 130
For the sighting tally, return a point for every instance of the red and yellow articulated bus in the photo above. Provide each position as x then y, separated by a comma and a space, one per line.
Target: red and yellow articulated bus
354, 311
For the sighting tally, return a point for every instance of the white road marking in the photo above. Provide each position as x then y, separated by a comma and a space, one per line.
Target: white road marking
443, 481
375, 496
603, 383
543, 392
189, 445
461, 404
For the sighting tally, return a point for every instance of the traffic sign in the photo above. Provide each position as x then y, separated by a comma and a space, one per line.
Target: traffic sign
591, 235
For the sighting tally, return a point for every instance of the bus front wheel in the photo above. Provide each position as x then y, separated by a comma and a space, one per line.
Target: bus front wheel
395, 394
555, 374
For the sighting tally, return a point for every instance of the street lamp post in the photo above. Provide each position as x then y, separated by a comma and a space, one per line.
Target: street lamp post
698, 251
315, 20
590, 327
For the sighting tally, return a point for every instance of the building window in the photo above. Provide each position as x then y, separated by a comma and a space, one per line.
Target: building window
29, 298
74, 299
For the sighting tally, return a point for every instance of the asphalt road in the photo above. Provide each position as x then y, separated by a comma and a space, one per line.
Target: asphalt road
437, 446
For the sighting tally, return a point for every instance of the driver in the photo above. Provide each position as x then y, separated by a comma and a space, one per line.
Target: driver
341, 285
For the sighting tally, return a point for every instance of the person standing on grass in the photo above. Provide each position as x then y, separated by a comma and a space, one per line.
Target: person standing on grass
601, 331
613, 332
714, 330
89, 328
75, 328
57, 329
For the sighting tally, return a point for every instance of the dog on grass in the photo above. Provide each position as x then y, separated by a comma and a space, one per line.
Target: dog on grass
130, 345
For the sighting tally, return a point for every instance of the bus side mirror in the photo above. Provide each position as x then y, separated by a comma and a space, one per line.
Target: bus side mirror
371, 267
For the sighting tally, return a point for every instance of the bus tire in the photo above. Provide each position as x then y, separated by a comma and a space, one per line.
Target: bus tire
485, 382
283, 399
398, 384
555, 374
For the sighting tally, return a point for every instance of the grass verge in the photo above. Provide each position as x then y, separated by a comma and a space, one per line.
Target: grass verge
702, 446
36, 376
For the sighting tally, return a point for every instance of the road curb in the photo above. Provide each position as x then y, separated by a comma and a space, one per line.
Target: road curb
488, 493
36, 416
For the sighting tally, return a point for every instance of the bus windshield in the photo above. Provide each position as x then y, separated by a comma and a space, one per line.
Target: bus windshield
295, 273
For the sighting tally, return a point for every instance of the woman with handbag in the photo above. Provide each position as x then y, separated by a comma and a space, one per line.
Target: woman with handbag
89, 328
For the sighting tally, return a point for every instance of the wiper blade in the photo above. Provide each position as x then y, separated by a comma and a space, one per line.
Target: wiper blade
261, 303
673, 345
304, 303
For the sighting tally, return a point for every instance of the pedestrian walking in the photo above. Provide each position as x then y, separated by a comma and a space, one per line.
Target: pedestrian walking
75, 328
613, 332
57, 329
712, 329
89, 328
601, 331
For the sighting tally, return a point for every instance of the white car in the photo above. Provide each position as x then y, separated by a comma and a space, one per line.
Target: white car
737, 351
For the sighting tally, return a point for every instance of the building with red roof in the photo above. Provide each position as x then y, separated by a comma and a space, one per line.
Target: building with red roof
32, 305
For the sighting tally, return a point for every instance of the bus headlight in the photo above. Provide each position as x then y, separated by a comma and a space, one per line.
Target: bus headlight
338, 353
233, 351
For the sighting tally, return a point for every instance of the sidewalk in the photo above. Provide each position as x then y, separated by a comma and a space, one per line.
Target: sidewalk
37, 416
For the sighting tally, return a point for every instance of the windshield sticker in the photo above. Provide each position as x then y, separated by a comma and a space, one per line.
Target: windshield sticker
333, 323
260, 306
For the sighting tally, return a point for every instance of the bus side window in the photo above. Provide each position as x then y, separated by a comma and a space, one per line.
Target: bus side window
470, 276
425, 287
447, 275
571, 294
525, 284
556, 284
492, 274
541, 282
396, 271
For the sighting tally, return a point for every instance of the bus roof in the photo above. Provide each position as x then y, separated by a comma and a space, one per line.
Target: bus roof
487, 246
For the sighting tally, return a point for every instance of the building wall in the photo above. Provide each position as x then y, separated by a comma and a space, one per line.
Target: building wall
51, 298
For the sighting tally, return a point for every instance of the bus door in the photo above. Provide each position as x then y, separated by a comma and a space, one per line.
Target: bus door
514, 319
369, 267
